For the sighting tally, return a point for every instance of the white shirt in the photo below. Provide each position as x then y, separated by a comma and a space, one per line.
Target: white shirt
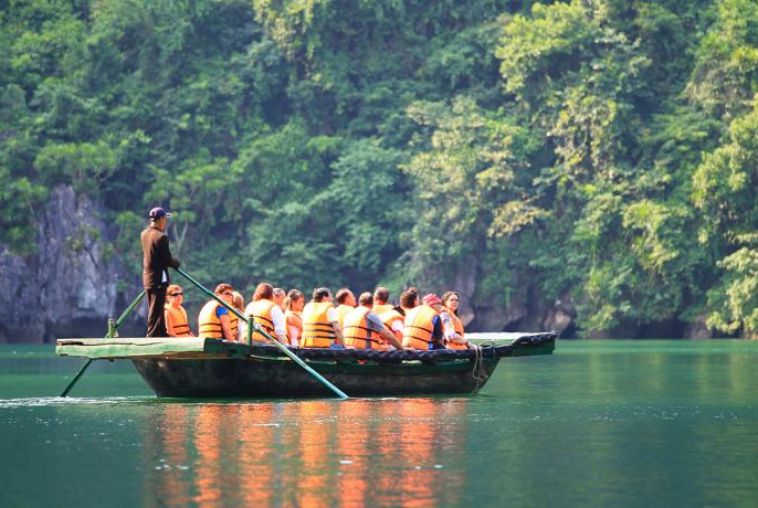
280, 324
447, 325
277, 316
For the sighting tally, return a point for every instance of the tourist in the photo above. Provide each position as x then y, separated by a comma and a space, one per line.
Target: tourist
408, 300
215, 321
364, 330
175, 317
266, 314
388, 314
345, 304
423, 326
156, 259
293, 316
451, 323
321, 328
279, 296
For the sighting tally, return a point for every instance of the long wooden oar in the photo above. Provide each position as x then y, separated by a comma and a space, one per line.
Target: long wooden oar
252, 324
111, 331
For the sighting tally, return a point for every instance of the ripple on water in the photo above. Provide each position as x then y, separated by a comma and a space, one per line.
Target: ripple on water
63, 401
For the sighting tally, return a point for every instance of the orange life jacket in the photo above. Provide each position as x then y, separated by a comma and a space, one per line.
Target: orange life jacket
380, 308
342, 311
294, 320
458, 326
389, 316
419, 327
317, 329
210, 324
260, 311
357, 332
177, 324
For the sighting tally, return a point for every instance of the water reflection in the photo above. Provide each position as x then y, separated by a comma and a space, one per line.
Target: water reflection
403, 452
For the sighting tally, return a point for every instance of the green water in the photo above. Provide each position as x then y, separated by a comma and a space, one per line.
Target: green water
599, 423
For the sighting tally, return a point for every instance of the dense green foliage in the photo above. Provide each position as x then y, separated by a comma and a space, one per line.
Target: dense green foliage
603, 153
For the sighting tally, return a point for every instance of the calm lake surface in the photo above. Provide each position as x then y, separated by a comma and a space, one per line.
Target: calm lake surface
599, 423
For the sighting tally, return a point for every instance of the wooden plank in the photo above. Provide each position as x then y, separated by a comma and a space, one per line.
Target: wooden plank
499, 338
131, 347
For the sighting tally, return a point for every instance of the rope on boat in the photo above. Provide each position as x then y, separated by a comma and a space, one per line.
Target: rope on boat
479, 371
486, 352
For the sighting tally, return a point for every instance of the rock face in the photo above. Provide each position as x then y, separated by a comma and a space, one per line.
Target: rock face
69, 286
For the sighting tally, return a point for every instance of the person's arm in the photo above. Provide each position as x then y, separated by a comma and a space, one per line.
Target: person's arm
164, 252
375, 324
449, 329
226, 327
437, 335
226, 323
280, 325
333, 318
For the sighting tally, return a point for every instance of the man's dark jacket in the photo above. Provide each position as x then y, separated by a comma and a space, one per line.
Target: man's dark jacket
157, 258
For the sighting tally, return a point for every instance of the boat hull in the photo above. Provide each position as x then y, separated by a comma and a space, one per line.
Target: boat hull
254, 377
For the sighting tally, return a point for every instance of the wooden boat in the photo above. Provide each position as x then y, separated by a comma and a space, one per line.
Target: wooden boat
202, 368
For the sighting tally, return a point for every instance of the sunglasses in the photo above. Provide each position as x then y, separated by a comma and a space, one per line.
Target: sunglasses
175, 294
228, 293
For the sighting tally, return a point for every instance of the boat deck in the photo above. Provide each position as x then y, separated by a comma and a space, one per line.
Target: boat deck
193, 348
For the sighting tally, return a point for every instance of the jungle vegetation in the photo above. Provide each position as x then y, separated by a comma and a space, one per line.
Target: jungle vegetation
602, 152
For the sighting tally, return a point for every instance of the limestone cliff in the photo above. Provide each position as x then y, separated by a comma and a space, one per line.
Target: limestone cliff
69, 286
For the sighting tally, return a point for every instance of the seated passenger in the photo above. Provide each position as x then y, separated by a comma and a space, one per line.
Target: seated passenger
266, 314
321, 327
177, 324
423, 326
408, 300
293, 316
345, 303
215, 320
364, 330
279, 296
451, 323
389, 315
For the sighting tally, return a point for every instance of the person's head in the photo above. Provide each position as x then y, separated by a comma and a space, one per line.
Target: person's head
238, 302
294, 301
279, 296
345, 297
432, 301
381, 295
225, 292
158, 217
366, 299
322, 295
263, 290
451, 300
409, 298
174, 294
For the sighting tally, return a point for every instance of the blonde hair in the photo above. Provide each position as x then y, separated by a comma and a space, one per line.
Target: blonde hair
293, 296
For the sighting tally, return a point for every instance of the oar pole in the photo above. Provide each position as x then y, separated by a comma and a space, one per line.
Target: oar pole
251, 324
112, 329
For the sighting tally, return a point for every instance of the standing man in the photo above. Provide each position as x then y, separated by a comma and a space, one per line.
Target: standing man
155, 262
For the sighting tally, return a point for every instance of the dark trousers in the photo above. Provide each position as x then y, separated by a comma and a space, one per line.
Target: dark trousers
156, 322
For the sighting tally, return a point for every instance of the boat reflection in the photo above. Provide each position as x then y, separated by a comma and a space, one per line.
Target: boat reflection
400, 452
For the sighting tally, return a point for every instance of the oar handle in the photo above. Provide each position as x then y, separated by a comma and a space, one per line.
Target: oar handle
258, 329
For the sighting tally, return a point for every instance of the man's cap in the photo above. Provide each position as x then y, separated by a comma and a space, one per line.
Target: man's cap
158, 212
431, 299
